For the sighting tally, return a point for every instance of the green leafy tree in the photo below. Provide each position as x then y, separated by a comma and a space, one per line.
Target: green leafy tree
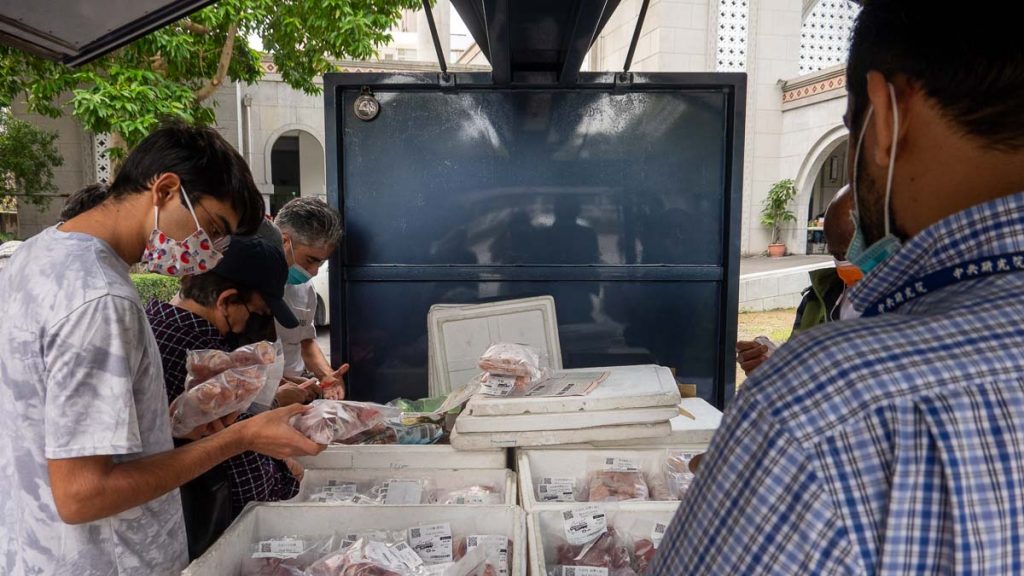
28, 156
174, 71
775, 209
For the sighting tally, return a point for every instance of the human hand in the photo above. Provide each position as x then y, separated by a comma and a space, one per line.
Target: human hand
750, 355
271, 433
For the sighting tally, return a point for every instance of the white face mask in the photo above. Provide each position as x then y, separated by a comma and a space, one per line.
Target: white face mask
193, 255
868, 257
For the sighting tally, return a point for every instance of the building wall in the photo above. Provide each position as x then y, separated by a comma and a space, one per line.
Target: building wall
675, 37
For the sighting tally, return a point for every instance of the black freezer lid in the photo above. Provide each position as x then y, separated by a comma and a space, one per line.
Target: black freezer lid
77, 31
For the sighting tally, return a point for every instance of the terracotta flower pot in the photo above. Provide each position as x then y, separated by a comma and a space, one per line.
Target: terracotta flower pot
776, 250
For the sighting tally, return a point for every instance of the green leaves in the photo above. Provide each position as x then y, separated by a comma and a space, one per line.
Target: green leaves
130, 91
27, 159
775, 208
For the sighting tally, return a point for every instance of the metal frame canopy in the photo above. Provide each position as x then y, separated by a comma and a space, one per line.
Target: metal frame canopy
77, 31
430, 170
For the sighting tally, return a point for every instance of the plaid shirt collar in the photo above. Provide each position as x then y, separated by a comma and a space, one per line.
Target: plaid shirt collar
184, 321
989, 229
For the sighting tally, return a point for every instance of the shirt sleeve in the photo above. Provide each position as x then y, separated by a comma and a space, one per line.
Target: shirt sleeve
258, 478
92, 361
303, 303
756, 507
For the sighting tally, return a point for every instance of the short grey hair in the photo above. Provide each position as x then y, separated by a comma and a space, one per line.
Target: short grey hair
310, 221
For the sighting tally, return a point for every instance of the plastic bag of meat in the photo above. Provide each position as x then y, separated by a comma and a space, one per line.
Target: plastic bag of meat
497, 550
646, 536
608, 551
366, 557
508, 367
471, 495
616, 479
330, 421
677, 472
285, 556
221, 383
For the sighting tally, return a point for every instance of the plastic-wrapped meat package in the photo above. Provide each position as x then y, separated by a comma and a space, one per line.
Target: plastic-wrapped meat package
512, 360
607, 551
286, 556
495, 552
330, 421
643, 554
617, 486
363, 558
677, 473
220, 383
471, 495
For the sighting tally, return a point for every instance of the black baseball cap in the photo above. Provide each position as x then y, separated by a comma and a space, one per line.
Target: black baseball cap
257, 263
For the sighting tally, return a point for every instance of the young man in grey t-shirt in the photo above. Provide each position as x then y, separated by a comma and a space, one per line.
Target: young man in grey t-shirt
89, 478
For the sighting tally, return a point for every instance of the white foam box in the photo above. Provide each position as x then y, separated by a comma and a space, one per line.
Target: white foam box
686, 431
546, 528
440, 482
538, 438
265, 521
458, 335
533, 464
627, 387
399, 456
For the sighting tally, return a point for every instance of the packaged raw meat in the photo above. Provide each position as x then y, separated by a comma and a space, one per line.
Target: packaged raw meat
555, 489
330, 421
677, 472
607, 551
369, 558
497, 549
219, 384
511, 360
286, 556
471, 495
646, 536
617, 486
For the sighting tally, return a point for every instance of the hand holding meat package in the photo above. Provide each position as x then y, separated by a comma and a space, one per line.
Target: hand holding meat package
419, 551
221, 383
343, 421
509, 367
593, 548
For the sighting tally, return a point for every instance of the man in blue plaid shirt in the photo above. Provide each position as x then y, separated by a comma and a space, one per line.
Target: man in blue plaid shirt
892, 442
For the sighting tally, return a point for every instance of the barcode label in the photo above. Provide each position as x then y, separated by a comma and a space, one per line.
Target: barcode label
282, 549
658, 534
432, 543
621, 465
583, 571
584, 524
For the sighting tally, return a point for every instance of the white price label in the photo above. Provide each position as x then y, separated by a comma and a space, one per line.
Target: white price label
381, 554
408, 556
498, 384
658, 534
584, 524
472, 498
495, 545
433, 543
283, 549
402, 492
621, 465
556, 493
583, 571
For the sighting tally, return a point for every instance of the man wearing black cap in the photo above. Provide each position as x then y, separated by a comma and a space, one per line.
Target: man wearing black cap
246, 284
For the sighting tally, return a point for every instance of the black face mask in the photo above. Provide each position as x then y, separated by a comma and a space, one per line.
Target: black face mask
258, 327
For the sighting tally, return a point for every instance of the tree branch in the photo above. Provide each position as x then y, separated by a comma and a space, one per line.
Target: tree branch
226, 53
194, 28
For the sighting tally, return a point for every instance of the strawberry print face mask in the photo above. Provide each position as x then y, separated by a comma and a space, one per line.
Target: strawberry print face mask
193, 255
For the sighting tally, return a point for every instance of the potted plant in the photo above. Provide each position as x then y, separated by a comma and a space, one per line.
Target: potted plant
775, 212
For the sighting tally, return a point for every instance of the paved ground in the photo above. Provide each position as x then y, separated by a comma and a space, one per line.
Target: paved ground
758, 264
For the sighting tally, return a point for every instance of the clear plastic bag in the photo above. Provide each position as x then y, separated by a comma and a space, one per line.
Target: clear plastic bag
507, 367
286, 556
551, 489
221, 383
645, 536
471, 495
366, 557
608, 551
677, 472
615, 479
496, 552
342, 421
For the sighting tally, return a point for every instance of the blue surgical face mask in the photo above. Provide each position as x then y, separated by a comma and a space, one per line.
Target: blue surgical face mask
297, 274
868, 257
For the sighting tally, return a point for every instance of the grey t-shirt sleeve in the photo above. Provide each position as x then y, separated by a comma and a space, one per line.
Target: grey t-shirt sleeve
92, 356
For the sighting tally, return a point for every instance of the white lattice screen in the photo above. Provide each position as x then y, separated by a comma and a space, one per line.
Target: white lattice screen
825, 35
732, 36
100, 143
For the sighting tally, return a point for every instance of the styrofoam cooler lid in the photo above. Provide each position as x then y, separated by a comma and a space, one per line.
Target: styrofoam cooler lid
400, 456
565, 421
484, 440
686, 431
642, 386
458, 336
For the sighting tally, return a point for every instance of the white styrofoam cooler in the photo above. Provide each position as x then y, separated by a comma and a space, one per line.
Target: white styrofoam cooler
441, 481
458, 335
567, 421
484, 440
265, 521
399, 456
545, 528
564, 463
642, 386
